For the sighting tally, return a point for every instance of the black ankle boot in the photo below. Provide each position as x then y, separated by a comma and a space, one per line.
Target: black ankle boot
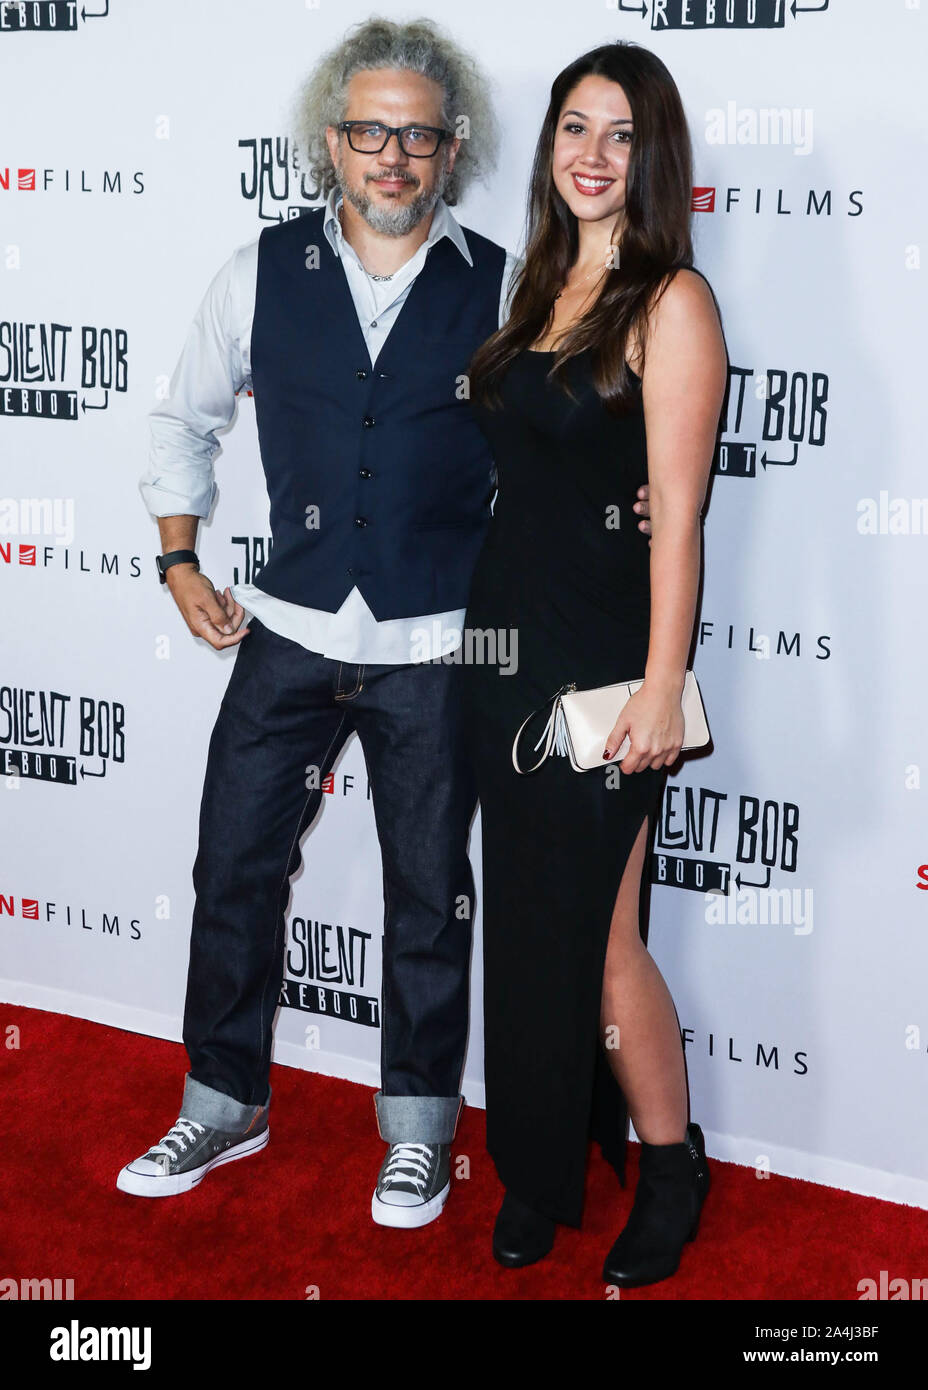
672, 1184
521, 1235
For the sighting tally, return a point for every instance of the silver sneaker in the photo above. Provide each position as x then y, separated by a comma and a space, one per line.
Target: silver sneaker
187, 1153
413, 1185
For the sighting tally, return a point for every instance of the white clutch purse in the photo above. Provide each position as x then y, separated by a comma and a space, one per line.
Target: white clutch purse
581, 721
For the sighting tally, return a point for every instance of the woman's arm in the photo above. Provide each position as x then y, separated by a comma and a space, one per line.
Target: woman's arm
683, 386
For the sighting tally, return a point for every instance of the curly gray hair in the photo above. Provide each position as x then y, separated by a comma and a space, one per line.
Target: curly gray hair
418, 46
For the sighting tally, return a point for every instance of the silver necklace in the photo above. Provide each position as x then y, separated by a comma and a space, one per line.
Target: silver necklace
369, 273
603, 267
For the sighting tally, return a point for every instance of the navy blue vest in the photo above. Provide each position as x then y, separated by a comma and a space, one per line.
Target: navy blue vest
391, 457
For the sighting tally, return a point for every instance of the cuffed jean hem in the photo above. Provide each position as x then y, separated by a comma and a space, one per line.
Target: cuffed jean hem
215, 1109
417, 1119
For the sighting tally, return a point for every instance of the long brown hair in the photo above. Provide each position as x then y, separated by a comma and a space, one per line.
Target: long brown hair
655, 238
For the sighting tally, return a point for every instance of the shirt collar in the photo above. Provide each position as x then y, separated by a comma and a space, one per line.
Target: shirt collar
444, 223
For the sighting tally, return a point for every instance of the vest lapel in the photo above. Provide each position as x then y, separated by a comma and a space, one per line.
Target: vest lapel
416, 319
412, 320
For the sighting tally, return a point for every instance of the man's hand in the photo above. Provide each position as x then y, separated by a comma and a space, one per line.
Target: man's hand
643, 510
208, 614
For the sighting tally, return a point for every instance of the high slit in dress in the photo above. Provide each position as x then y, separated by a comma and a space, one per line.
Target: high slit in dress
566, 572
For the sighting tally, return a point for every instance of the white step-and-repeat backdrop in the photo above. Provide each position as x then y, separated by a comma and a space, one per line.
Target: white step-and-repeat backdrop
142, 140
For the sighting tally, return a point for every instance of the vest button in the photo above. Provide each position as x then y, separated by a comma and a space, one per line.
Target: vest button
350, 570
360, 521
365, 473
368, 421
361, 375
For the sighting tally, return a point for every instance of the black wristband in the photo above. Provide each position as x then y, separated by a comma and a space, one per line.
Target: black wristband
175, 557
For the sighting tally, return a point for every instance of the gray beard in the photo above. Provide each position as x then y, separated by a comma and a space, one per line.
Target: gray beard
389, 221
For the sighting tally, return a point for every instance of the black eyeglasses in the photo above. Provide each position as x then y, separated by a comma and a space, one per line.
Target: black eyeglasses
370, 137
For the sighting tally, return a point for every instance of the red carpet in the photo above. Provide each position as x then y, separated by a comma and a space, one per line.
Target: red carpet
82, 1100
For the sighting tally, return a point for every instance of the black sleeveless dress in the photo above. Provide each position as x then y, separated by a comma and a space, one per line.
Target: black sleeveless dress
565, 568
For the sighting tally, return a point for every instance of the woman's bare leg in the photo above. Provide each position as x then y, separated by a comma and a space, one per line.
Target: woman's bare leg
640, 1029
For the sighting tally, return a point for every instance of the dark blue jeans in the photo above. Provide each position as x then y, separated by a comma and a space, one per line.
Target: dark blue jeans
286, 709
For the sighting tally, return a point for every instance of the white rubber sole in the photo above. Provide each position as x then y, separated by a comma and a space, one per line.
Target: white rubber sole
145, 1185
386, 1214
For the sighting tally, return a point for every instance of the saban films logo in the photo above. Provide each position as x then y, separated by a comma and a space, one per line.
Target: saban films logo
759, 201
36, 727
760, 1053
53, 517
35, 180
84, 919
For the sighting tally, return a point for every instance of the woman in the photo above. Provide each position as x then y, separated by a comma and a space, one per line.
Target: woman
578, 1018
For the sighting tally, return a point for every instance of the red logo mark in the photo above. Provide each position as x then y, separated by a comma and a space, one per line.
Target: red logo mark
27, 554
704, 200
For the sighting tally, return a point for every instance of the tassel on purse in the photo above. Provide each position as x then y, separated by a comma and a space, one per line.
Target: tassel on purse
582, 720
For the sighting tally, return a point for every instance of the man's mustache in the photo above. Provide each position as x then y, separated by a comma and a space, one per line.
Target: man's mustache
398, 176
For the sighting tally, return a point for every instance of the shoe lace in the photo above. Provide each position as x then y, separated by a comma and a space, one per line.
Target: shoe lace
176, 1135
408, 1163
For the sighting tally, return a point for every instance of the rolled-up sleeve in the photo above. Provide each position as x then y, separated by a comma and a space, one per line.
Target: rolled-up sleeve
178, 480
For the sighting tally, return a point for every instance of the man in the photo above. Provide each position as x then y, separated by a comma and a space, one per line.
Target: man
353, 324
